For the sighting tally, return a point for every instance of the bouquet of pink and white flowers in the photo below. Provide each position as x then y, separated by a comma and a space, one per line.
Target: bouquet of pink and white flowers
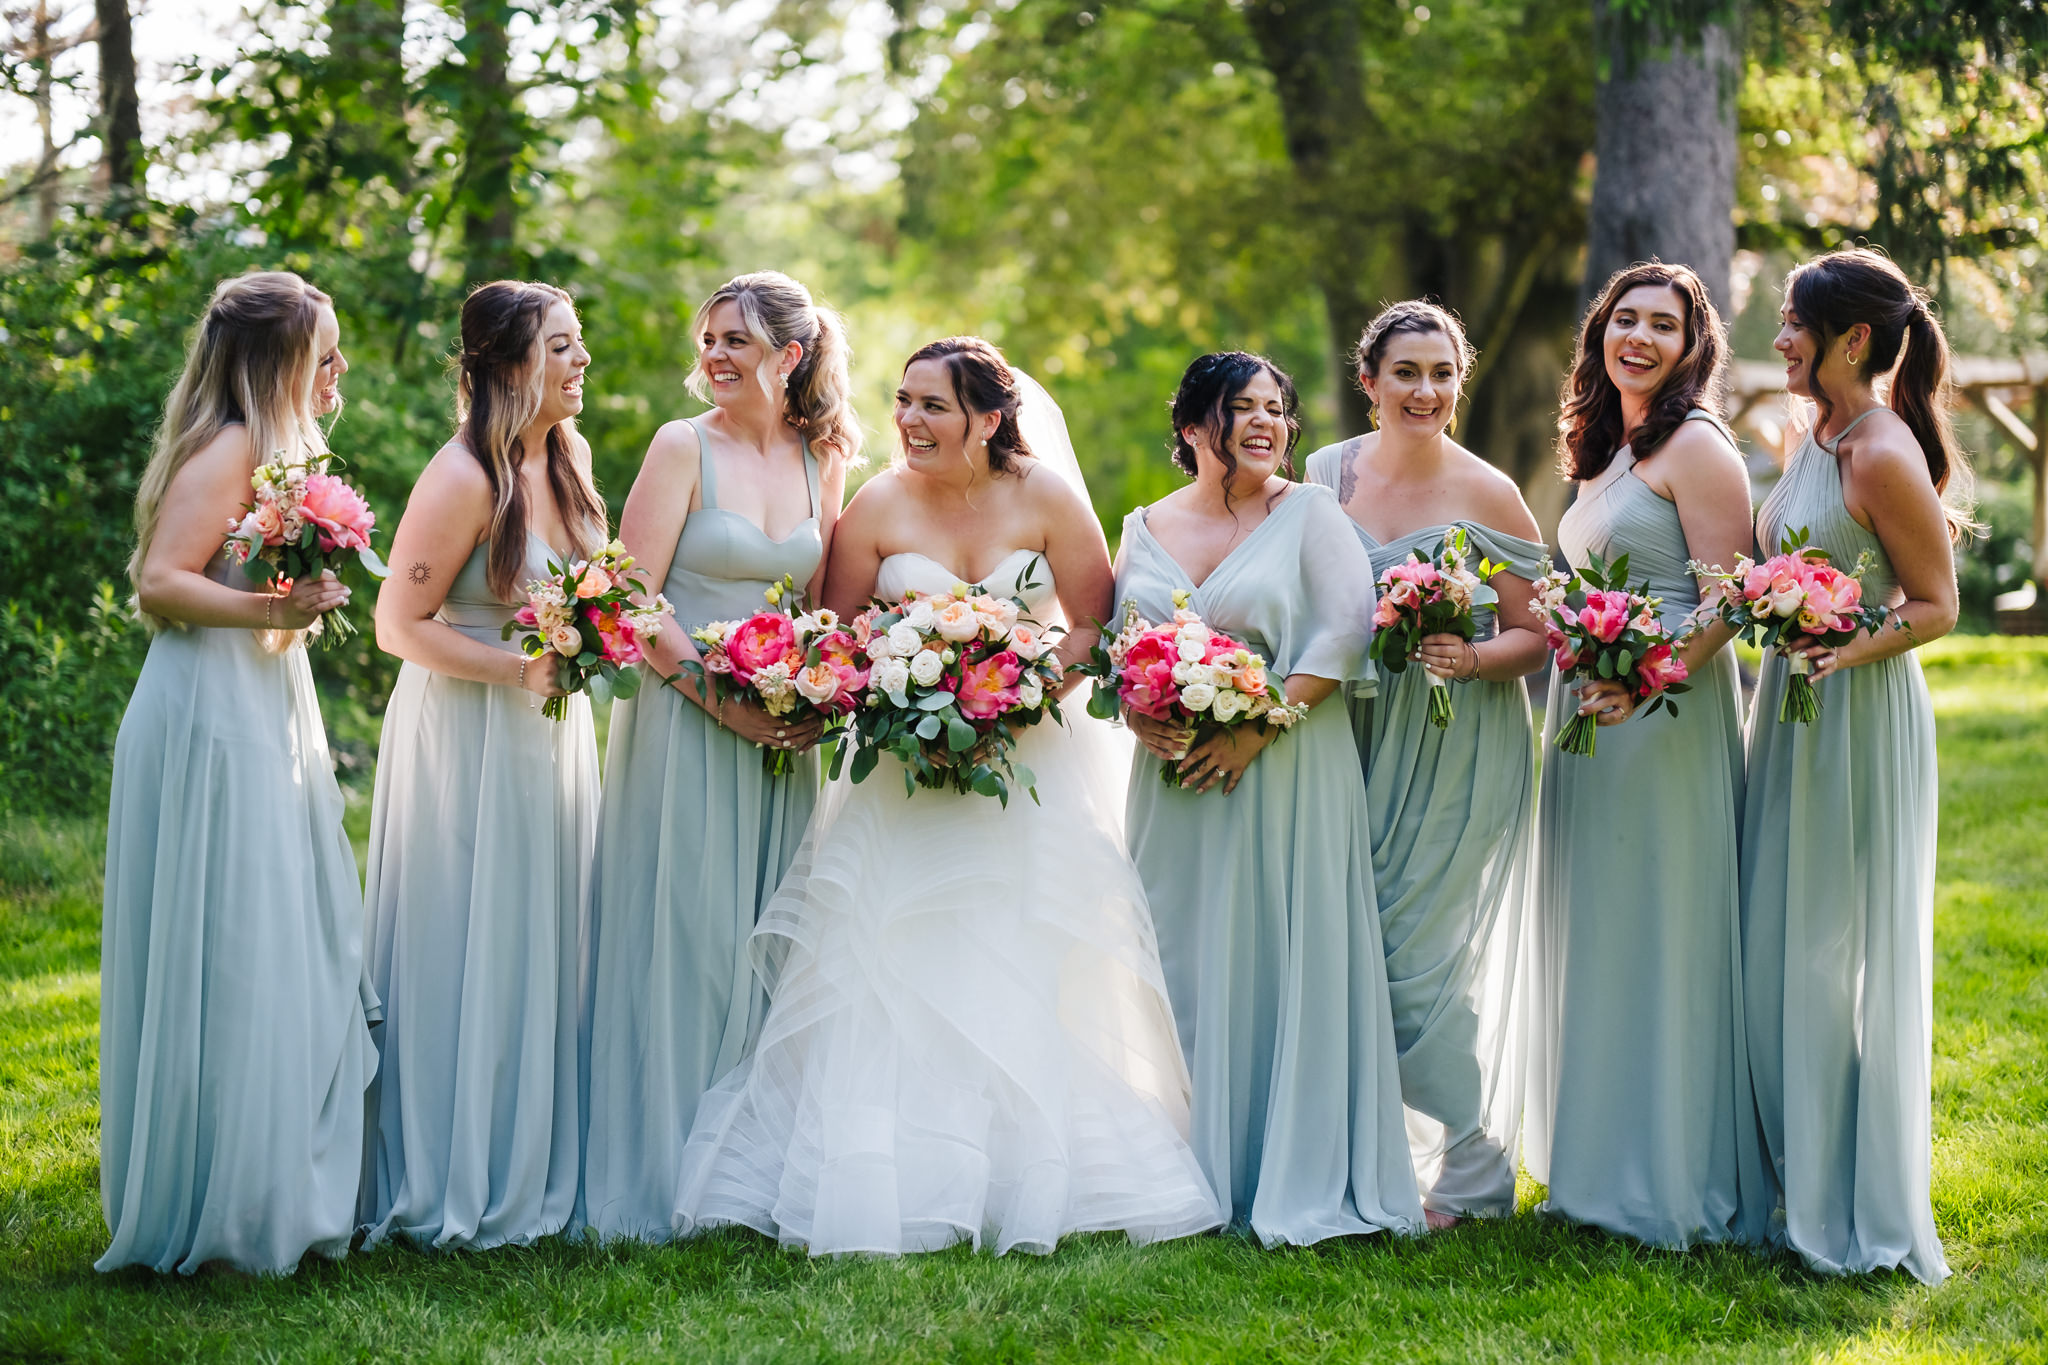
1186, 673
952, 679
585, 620
1598, 627
1794, 592
786, 662
1434, 596
304, 521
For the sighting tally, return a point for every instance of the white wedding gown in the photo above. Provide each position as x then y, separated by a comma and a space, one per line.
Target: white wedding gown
968, 1037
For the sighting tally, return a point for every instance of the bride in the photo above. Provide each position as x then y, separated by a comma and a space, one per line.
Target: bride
969, 1037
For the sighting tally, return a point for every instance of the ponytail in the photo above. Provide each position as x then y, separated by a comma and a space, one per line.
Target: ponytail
819, 402
1923, 396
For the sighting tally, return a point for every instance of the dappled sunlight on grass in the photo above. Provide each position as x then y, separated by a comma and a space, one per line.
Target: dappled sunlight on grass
1503, 1291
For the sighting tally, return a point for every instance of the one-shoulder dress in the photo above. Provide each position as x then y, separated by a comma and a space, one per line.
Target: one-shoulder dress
1641, 1119
1838, 926
480, 840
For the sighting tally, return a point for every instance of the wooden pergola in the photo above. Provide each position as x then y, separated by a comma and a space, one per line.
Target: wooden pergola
2001, 389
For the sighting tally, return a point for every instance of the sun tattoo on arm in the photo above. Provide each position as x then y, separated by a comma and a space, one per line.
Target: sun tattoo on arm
419, 573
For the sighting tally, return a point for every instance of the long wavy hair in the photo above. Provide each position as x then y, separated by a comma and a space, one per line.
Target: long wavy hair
251, 361
982, 383
1833, 293
818, 400
500, 383
1590, 423
1203, 401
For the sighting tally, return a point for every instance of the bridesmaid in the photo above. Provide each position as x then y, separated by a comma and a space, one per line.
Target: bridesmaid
694, 834
1641, 1119
1837, 950
1258, 871
485, 810
233, 1044
1451, 810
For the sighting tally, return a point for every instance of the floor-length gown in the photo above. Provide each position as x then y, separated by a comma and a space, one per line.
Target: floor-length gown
1641, 1119
1268, 927
233, 1043
1452, 822
968, 1037
693, 838
1838, 852
480, 841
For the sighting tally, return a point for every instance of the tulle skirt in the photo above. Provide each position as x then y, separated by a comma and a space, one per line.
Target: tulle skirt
969, 1037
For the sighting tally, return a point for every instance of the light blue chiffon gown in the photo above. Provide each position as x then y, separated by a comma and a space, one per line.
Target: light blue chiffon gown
233, 1042
1452, 816
480, 841
1838, 847
1641, 1119
693, 839
1268, 929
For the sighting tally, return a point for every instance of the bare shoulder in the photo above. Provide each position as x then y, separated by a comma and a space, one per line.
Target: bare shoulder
881, 496
230, 454
453, 481
1698, 457
1047, 492
1885, 448
1495, 499
675, 445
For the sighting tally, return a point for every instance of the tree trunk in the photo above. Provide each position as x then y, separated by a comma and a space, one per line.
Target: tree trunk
120, 121
1664, 143
493, 131
1312, 50
42, 61
365, 38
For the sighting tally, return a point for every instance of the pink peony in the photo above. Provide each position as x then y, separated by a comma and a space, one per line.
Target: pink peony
1605, 615
620, 641
758, 642
341, 518
1386, 613
525, 616
1148, 685
1756, 583
1658, 669
988, 687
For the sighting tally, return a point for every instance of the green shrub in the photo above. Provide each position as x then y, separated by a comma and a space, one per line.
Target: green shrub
62, 691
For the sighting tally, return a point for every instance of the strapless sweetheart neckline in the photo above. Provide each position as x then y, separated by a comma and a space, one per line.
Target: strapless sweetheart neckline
983, 581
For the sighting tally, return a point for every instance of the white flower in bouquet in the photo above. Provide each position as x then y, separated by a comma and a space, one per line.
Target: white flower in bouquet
904, 640
921, 616
926, 667
893, 677
1198, 696
1229, 705
1030, 692
1027, 643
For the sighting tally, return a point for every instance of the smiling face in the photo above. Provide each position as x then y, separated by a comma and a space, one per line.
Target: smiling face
1416, 389
735, 363
1255, 433
1644, 341
932, 426
563, 361
1813, 367
331, 365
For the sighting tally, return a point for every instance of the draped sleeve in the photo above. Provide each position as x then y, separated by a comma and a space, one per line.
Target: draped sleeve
1316, 582
1524, 558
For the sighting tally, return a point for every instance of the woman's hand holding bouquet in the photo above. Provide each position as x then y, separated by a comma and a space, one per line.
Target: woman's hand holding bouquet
1600, 628
1425, 597
584, 621
304, 522
805, 667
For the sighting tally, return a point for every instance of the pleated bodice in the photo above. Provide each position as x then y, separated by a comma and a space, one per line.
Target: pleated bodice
1809, 497
473, 609
1625, 516
724, 562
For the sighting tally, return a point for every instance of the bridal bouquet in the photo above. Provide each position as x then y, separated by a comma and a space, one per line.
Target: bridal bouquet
788, 663
304, 521
584, 619
952, 678
1434, 596
1599, 628
1794, 592
1185, 673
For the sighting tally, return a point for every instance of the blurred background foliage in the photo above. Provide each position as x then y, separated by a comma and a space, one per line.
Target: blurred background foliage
1104, 187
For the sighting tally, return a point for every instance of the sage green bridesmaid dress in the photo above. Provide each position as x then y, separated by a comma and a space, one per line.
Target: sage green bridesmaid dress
1452, 816
1838, 847
481, 832
234, 1047
1263, 900
693, 839
1641, 1119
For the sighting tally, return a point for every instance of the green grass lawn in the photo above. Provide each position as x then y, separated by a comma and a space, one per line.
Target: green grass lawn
1512, 1291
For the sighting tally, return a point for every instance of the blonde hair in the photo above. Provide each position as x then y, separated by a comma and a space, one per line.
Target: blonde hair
251, 362
818, 402
500, 384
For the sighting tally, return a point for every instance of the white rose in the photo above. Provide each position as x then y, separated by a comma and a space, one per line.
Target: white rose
1198, 696
919, 617
1029, 692
1229, 706
904, 639
893, 677
1192, 645
879, 648
926, 668
566, 641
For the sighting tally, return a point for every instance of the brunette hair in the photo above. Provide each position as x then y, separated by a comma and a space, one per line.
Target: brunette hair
1203, 400
250, 362
498, 392
818, 400
1590, 424
982, 382
1833, 293
1409, 316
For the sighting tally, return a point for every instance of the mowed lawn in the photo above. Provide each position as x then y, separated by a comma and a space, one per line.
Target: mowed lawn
1525, 1289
